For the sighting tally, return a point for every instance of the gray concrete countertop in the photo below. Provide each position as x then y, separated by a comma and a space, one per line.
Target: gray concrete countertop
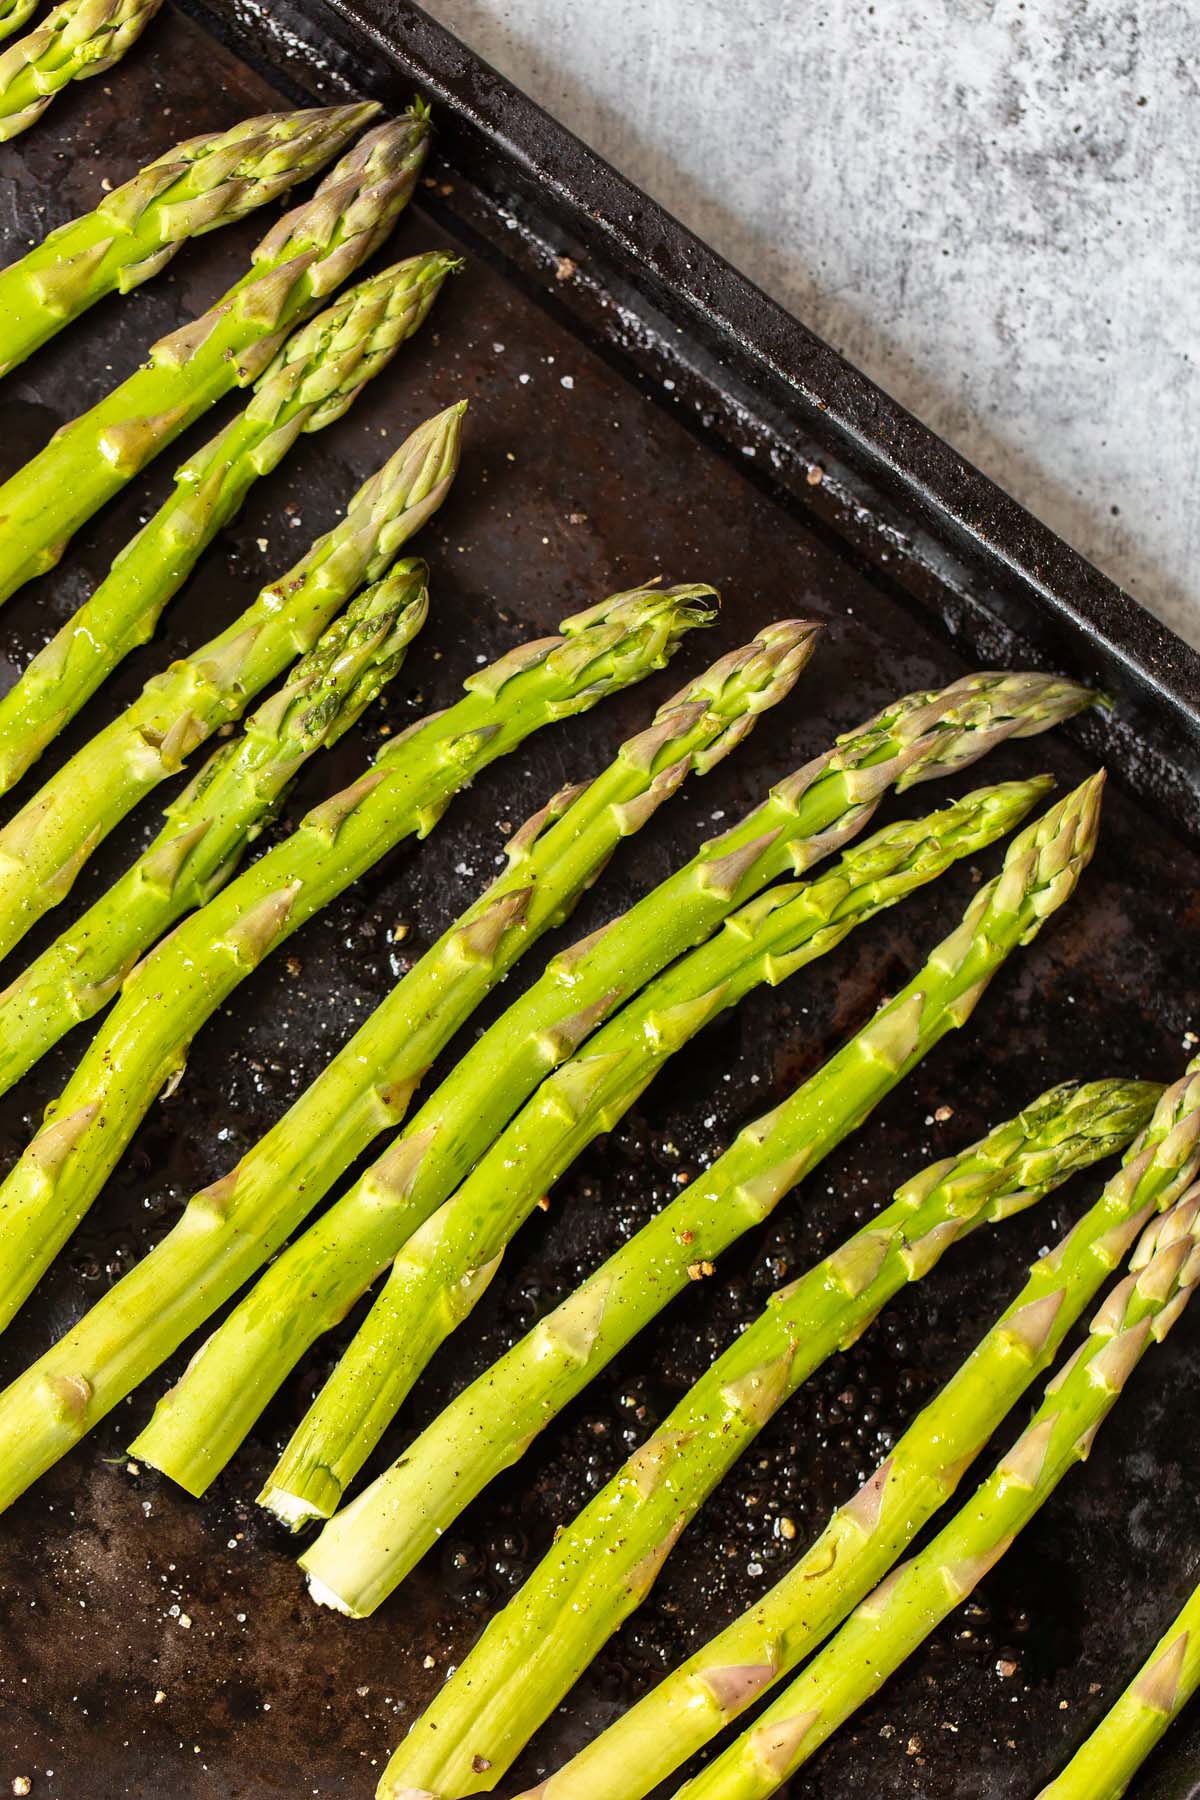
992, 207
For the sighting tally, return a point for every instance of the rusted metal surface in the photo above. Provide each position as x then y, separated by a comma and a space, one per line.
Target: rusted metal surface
583, 472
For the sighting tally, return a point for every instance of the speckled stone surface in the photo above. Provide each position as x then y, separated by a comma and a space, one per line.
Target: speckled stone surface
993, 209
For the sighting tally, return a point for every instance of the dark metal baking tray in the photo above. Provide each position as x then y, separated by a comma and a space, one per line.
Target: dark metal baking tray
701, 431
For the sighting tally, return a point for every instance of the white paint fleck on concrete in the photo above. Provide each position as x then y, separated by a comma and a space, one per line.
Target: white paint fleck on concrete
993, 208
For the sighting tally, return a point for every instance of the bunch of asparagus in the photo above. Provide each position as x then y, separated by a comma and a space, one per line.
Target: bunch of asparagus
429, 1286
143, 1043
893, 1620
866, 1535
537, 1645
368, 1085
312, 1285
45, 845
315, 378
196, 186
436, 1211
299, 263
221, 811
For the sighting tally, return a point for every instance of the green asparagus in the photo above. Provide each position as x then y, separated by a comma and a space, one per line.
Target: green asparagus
866, 1535
366, 1087
13, 14
364, 1551
143, 1043
437, 1275
491, 1423
319, 1277
1107, 1761
78, 39
194, 187
315, 378
201, 1422
296, 266
212, 821
899, 1615
44, 846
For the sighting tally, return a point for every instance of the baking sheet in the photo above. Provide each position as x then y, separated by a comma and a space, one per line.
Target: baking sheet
605, 442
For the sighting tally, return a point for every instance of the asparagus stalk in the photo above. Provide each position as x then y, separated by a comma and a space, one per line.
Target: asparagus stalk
194, 187
366, 1549
318, 1278
1107, 1761
866, 1535
44, 846
299, 263
143, 1043
436, 1276
13, 14
899, 1615
210, 824
367, 1085
78, 39
316, 377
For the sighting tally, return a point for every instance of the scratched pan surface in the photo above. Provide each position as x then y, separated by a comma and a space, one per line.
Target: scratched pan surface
151, 1646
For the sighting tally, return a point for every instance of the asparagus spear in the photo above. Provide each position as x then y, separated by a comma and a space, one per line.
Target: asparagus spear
865, 1536
319, 1277
299, 263
143, 1044
436, 1276
13, 14
212, 821
367, 1085
899, 1615
365, 1550
1107, 1761
78, 39
194, 187
316, 377
44, 846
